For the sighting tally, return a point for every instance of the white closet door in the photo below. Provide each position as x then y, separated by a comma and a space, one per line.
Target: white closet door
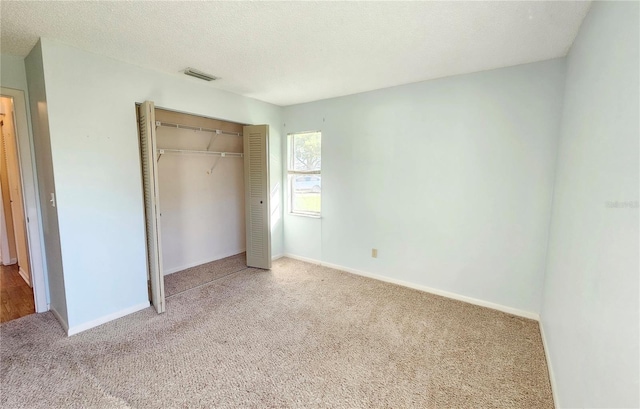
256, 185
151, 203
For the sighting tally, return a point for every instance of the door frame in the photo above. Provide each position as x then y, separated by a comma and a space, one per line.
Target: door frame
30, 197
4, 236
16, 198
153, 179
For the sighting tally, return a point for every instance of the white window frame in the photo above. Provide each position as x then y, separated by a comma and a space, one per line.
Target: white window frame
292, 174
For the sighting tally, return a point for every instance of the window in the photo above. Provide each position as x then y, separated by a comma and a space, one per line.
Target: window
304, 169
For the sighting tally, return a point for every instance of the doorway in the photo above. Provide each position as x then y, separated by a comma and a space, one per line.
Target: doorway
205, 184
15, 279
22, 278
201, 198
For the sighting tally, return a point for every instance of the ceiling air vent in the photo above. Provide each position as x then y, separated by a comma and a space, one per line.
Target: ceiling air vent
199, 74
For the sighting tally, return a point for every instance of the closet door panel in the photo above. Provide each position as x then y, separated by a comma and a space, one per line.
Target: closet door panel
151, 202
256, 174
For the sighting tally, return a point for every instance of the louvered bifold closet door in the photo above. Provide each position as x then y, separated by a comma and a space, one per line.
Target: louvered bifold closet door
256, 177
151, 203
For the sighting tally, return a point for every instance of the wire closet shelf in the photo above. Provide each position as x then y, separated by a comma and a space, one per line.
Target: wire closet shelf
196, 128
197, 152
216, 132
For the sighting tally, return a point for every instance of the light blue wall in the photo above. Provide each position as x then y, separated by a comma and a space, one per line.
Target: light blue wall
12, 73
46, 183
94, 143
590, 305
451, 180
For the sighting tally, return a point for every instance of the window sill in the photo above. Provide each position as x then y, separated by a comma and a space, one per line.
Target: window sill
310, 216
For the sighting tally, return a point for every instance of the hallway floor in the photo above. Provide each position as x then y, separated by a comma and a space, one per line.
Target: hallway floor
16, 297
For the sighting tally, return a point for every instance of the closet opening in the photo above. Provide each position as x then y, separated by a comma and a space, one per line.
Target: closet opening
195, 171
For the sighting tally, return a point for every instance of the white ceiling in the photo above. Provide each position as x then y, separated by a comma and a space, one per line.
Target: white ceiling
292, 52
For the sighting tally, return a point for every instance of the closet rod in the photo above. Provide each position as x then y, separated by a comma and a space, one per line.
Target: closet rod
194, 152
196, 128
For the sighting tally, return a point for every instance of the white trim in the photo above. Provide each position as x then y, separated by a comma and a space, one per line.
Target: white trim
24, 276
308, 215
276, 257
305, 259
30, 197
4, 241
552, 379
103, 320
447, 294
172, 270
62, 322
11, 262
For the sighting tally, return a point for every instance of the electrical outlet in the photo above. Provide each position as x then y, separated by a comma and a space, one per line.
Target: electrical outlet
374, 253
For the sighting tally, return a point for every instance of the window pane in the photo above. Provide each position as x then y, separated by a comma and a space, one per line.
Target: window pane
305, 193
306, 151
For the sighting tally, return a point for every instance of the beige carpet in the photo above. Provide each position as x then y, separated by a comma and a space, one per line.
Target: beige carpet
195, 276
298, 336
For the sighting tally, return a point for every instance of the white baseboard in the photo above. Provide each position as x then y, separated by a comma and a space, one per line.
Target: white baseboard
197, 263
552, 379
308, 260
447, 294
103, 320
62, 322
24, 276
274, 258
11, 262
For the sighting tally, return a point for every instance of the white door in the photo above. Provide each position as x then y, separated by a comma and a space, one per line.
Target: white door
148, 154
256, 186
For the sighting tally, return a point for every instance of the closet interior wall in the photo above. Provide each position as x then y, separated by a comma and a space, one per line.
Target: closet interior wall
201, 196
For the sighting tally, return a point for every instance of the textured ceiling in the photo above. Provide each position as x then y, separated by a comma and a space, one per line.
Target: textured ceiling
292, 52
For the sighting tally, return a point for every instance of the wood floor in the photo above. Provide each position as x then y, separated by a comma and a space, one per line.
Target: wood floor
16, 297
